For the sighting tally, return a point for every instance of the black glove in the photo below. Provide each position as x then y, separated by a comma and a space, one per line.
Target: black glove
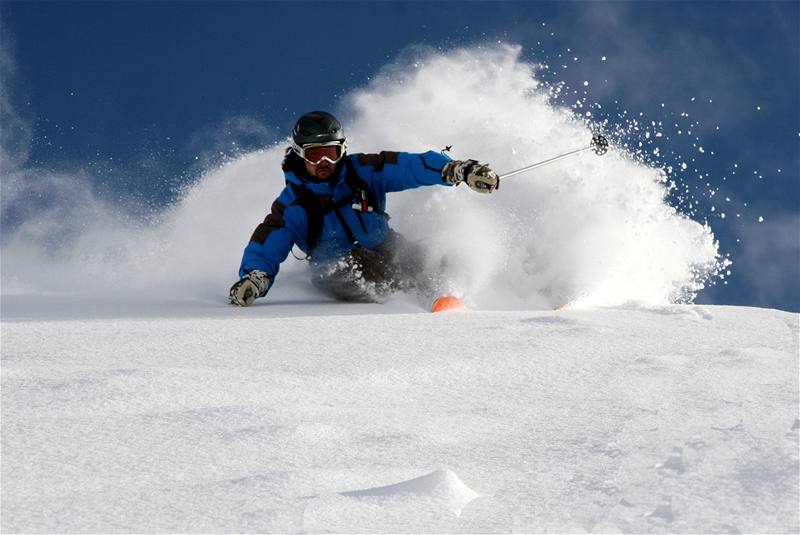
248, 288
478, 176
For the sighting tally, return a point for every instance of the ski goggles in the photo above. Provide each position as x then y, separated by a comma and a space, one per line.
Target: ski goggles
314, 153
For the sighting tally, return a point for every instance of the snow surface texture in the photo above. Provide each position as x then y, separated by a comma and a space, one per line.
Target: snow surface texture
591, 230
631, 419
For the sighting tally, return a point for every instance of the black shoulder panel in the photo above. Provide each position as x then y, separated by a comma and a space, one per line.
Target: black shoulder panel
377, 161
272, 222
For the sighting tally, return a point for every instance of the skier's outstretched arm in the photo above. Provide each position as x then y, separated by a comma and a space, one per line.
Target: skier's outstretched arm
397, 171
269, 246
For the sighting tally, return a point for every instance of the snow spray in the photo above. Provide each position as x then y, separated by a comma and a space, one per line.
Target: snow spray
587, 230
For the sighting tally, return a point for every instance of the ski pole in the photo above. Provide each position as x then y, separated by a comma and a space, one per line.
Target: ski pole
599, 145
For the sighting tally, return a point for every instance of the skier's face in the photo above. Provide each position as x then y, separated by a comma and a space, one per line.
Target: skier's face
322, 170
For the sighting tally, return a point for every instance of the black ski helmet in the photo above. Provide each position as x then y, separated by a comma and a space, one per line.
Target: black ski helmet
317, 127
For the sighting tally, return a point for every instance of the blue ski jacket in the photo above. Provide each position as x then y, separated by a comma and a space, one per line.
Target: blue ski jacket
328, 219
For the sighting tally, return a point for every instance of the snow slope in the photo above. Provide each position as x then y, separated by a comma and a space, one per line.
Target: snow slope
197, 417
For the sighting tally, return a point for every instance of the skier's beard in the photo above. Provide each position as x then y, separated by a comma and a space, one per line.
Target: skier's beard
325, 166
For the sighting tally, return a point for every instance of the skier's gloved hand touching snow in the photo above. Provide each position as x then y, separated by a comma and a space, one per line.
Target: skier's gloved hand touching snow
248, 288
478, 176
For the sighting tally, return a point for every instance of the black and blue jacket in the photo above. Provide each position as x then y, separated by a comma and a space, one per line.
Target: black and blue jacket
328, 219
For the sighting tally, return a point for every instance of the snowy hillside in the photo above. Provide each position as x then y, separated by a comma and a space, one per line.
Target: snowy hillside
200, 418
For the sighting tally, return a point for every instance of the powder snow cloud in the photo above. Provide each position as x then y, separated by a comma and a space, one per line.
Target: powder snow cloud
591, 230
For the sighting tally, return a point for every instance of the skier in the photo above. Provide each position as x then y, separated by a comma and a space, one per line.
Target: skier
332, 208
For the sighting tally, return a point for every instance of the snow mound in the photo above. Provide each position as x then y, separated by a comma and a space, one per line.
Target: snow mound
425, 502
443, 486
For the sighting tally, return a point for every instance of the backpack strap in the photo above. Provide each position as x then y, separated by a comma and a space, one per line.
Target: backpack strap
364, 200
315, 213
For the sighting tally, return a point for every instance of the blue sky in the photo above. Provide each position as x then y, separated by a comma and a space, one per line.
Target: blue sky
144, 94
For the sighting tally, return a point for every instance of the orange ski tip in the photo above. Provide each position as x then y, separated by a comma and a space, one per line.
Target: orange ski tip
447, 303
562, 306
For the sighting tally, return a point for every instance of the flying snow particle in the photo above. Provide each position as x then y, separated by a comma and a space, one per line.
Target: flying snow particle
603, 58
585, 82
760, 219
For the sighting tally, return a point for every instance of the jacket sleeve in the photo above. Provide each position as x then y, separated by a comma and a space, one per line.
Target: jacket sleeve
273, 239
398, 171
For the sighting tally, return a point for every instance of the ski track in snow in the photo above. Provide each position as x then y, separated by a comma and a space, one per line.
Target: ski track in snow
630, 419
